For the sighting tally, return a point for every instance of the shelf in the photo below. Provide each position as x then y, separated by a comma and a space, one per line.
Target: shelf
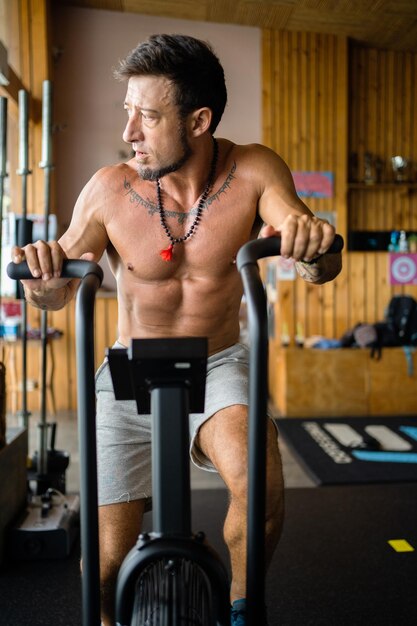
383, 186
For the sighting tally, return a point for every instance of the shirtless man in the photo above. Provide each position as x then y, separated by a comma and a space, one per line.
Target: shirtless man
171, 220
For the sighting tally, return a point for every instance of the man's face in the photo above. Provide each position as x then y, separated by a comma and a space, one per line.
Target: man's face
154, 128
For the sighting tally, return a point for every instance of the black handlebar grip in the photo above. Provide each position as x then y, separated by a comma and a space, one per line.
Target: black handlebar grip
251, 251
71, 268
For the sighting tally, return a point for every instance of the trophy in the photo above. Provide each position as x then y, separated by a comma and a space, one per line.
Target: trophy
369, 168
400, 168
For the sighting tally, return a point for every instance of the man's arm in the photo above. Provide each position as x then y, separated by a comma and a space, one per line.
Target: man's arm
86, 238
304, 237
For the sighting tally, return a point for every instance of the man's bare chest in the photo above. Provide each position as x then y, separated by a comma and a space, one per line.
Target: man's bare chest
138, 233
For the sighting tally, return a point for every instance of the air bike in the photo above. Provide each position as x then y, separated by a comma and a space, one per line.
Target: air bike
171, 577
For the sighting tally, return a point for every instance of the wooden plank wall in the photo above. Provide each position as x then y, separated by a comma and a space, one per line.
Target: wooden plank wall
383, 121
324, 98
26, 37
65, 376
305, 120
29, 59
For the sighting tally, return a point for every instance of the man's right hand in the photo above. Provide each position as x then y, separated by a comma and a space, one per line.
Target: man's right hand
45, 263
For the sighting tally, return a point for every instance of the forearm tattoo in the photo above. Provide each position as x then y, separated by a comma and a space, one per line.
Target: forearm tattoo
311, 272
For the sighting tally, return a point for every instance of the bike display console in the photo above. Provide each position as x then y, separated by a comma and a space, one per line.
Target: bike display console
153, 363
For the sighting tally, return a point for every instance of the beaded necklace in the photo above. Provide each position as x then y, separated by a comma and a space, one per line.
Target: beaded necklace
167, 254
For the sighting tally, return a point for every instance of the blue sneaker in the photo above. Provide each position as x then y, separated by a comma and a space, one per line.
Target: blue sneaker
238, 613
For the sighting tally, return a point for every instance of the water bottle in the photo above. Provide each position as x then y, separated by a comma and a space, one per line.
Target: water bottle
402, 242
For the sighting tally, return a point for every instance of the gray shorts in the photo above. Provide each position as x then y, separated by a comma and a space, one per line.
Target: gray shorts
124, 437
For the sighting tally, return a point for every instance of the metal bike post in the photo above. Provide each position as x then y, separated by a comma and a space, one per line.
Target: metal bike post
247, 264
258, 394
24, 234
47, 166
88, 449
171, 500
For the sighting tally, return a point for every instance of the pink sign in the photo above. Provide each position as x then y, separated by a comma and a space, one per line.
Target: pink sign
403, 268
314, 184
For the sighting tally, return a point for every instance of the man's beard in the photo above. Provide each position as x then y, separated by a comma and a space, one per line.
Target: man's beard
146, 173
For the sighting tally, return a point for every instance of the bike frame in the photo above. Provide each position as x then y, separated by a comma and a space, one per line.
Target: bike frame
247, 264
166, 399
171, 373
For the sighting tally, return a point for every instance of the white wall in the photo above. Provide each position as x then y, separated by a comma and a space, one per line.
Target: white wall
88, 100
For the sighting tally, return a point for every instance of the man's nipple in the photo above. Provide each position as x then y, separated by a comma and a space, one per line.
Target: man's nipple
130, 267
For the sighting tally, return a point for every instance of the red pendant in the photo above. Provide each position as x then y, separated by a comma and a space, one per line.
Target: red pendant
167, 254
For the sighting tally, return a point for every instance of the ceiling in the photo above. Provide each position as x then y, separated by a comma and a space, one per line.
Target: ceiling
376, 23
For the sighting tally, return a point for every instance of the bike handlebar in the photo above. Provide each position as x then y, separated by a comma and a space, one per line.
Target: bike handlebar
71, 268
248, 254
251, 251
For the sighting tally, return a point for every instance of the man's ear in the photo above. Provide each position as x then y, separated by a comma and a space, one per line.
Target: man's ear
200, 121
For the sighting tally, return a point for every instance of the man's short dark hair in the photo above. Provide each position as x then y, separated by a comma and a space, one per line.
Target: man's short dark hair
189, 63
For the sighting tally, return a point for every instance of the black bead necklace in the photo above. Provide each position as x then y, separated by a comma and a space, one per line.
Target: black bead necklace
167, 254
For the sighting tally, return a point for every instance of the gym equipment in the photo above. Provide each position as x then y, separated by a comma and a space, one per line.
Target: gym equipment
247, 264
48, 465
47, 529
155, 580
92, 276
49, 524
47, 165
24, 233
171, 576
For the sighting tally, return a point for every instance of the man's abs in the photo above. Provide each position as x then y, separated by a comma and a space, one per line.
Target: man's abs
179, 307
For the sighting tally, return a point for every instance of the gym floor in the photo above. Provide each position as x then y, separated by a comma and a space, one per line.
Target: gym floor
333, 566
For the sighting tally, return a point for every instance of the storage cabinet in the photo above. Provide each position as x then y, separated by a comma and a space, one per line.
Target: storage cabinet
342, 382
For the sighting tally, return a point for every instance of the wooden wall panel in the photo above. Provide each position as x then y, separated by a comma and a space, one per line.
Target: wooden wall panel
30, 64
305, 113
382, 120
307, 120
65, 377
29, 58
322, 101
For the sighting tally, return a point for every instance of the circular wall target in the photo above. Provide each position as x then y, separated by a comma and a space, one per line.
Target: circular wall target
404, 269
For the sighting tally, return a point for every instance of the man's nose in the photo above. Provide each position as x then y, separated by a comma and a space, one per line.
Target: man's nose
133, 130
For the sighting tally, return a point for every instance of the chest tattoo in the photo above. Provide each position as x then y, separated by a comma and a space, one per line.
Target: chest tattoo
224, 187
152, 207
